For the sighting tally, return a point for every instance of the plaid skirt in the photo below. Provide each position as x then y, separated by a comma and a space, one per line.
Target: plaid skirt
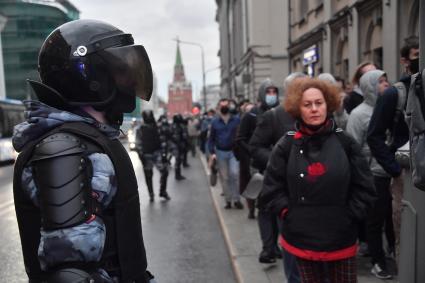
339, 271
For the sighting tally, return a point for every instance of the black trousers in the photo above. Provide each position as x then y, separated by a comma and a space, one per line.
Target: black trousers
269, 231
376, 218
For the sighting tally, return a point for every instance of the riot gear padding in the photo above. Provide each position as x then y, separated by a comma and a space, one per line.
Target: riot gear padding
62, 174
90, 62
124, 254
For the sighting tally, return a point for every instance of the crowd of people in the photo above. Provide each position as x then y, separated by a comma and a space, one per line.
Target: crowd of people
324, 152
314, 159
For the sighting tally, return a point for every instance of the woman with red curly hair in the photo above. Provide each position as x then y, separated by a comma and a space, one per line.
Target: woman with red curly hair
320, 185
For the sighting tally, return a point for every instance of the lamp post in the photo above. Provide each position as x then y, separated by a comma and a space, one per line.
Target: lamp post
204, 94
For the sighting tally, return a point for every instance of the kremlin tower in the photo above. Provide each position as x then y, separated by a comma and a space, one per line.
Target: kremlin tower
179, 91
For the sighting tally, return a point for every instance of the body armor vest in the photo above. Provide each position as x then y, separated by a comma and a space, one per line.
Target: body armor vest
124, 252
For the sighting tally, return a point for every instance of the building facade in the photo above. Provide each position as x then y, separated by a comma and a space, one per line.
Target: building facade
335, 36
28, 24
271, 38
180, 90
213, 96
253, 45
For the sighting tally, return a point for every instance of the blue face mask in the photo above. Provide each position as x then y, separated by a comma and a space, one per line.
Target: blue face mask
271, 100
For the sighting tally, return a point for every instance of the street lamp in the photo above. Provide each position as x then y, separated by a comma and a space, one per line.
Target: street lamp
204, 94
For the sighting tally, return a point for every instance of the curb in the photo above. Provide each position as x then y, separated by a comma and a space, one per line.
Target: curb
230, 247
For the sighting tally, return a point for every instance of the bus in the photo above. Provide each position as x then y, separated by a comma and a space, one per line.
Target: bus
11, 114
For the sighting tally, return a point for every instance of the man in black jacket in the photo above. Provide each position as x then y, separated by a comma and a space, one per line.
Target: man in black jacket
268, 97
271, 126
387, 118
386, 109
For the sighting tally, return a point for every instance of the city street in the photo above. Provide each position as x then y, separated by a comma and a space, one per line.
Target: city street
183, 239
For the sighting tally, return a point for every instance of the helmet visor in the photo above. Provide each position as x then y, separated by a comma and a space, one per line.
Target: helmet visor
131, 70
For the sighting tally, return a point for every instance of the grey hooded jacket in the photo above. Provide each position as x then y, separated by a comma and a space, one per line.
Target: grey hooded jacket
359, 119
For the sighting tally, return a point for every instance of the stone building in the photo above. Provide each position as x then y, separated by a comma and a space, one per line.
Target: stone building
253, 45
336, 35
271, 38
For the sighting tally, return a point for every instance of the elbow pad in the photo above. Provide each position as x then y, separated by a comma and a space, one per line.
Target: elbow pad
62, 174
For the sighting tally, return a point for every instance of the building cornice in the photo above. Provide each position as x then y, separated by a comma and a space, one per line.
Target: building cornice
307, 40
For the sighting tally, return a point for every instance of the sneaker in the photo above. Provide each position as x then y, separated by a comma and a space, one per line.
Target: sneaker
379, 272
238, 205
265, 257
180, 177
164, 195
228, 205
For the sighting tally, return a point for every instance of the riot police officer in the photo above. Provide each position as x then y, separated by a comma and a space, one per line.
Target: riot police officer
75, 191
179, 139
152, 147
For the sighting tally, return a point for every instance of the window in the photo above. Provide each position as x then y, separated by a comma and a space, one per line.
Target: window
303, 9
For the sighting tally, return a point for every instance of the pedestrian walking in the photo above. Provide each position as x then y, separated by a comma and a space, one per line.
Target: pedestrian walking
320, 185
373, 84
268, 97
152, 148
75, 190
179, 139
221, 143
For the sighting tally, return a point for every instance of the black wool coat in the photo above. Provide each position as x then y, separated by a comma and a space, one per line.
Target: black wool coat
326, 187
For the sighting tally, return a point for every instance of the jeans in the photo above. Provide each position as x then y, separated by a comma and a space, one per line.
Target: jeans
290, 267
228, 168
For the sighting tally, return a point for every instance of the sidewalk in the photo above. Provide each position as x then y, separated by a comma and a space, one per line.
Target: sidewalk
244, 245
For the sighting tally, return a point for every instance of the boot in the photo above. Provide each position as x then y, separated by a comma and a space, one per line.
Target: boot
179, 175
149, 184
163, 186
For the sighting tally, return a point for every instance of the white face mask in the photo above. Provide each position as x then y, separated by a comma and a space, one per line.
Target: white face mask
271, 100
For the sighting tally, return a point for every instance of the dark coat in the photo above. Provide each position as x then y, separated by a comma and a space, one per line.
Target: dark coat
326, 188
352, 100
382, 122
271, 126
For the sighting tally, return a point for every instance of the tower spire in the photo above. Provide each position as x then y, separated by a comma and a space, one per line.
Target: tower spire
178, 67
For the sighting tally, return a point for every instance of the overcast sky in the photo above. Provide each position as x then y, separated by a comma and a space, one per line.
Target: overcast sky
154, 24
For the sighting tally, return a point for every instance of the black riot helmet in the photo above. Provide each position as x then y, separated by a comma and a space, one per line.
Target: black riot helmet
148, 117
89, 62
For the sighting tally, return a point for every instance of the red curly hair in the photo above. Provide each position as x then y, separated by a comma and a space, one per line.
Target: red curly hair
294, 94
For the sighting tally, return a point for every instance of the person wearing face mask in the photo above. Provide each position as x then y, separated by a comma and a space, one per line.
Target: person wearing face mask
220, 145
373, 84
268, 97
386, 118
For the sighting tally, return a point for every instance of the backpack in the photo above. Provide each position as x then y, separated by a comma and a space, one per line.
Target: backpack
415, 119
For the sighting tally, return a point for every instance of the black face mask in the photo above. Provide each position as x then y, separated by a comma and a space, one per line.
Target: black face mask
224, 110
414, 66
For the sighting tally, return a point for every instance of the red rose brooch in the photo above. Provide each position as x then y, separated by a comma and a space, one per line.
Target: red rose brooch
298, 135
315, 170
